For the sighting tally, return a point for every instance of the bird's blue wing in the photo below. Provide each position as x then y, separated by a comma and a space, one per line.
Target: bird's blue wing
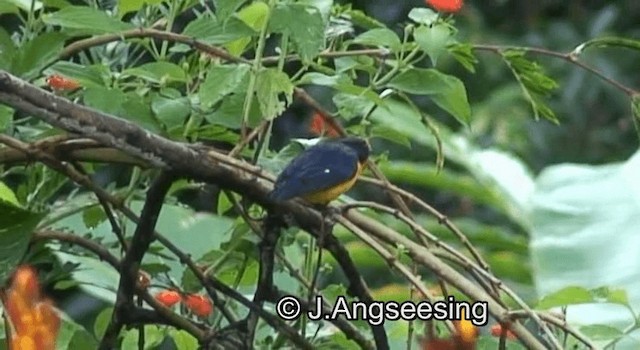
317, 168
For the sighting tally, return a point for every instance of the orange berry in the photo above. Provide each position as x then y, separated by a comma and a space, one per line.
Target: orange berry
445, 5
59, 82
198, 304
168, 298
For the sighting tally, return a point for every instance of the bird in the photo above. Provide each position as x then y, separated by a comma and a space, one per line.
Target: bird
322, 172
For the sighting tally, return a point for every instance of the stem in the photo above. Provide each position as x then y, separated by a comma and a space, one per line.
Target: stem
246, 109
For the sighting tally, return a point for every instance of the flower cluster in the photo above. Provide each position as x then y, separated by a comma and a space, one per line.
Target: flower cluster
34, 321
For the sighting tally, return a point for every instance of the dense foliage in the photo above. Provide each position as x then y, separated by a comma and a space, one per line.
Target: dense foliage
147, 211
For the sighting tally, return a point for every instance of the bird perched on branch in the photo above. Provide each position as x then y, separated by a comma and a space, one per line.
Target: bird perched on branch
322, 172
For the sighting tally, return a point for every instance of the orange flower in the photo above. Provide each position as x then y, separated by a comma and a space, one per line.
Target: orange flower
34, 321
466, 334
445, 5
198, 304
168, 298
319, 126
464, 338
504, 332
60, 83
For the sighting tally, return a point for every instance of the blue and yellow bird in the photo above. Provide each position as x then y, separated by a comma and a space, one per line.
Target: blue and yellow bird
323, 172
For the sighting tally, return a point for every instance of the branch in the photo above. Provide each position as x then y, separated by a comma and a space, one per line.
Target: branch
447, 273
167, 315
206, 164
569, 57
140, 242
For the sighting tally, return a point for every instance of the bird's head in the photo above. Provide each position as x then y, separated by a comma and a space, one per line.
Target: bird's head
357, 144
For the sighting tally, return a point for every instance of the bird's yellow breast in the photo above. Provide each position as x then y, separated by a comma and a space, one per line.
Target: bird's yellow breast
327, 195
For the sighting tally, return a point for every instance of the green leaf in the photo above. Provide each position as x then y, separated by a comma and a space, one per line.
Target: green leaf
125, 105
304, 25
126, 6
73, 336
271, 83
535, 84
7, 8
254, 16
224, 8
433, 40
196, 233
222, 80
390, 135
94, 276
607, 42
24, 5
80, 340
183, 340
400, 117
56, 4
172, 112
566, 296
16, 228
361, 19
422, 15
230, 112
37, 53
599, 332
158, 72
7, 195
153, 336
212, 31
379, 37
85, 20
363, 63
446, 91
102, 322
6, 117
350, 106
7, 50
463, 53
323, 79
93, 216
610, 295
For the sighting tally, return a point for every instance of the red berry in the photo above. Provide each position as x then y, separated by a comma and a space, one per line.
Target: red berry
198, 304
168, 298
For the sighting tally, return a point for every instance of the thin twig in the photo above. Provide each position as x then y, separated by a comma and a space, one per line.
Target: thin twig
129, 268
